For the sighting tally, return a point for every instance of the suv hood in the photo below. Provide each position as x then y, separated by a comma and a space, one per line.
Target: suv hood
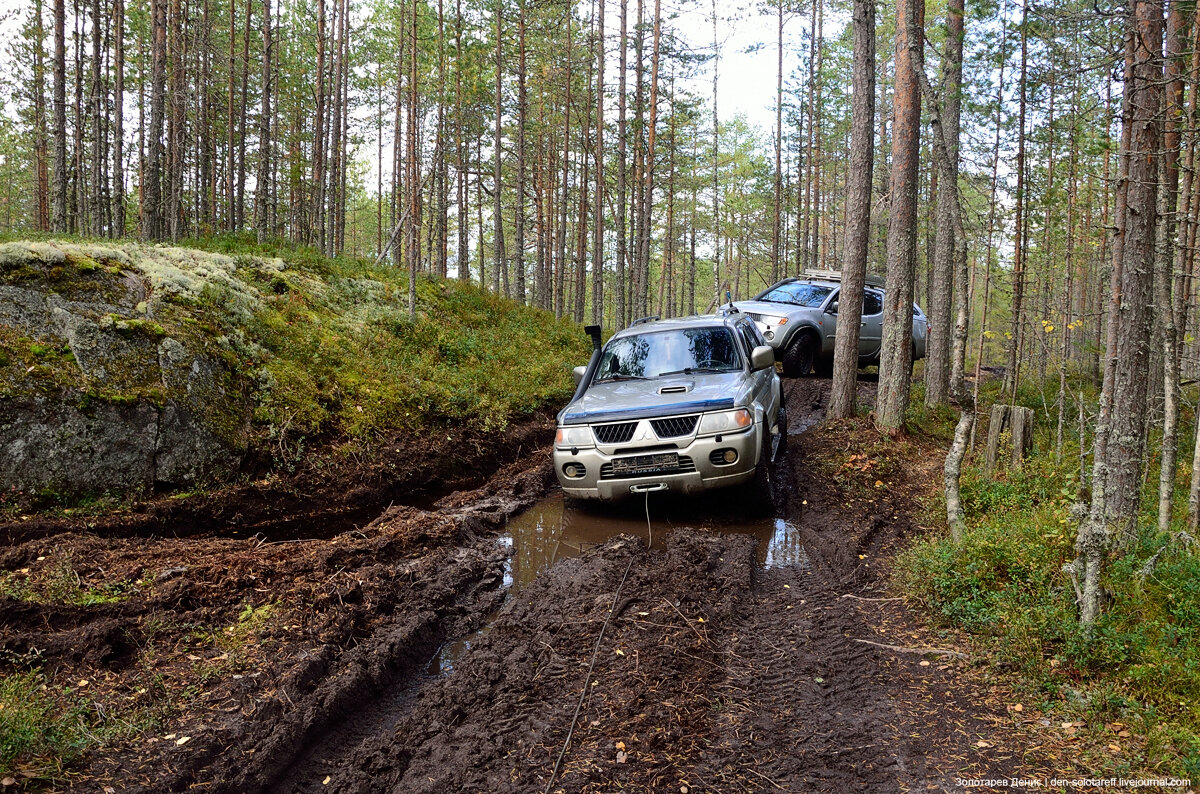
634, 399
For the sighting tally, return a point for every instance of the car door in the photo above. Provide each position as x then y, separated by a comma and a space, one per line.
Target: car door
870, 335
764, 379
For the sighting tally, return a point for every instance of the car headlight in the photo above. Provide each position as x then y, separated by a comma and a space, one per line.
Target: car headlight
725, 421
578, 436
776, 320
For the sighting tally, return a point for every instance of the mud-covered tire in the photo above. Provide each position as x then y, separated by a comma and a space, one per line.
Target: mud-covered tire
757, 493
781, 449
800, 355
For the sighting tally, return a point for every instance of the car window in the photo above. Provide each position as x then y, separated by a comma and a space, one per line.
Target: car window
872, 303
797, 293
657, 353
748, 341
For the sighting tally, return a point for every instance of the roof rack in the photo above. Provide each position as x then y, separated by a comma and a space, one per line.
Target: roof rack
836, 275
641, 320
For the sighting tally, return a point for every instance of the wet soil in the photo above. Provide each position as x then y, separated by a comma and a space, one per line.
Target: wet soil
500, 639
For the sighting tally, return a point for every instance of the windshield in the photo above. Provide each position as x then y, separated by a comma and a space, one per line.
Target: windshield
798, 293
667, 352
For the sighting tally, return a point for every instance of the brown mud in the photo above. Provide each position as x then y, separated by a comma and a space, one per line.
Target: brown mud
446, 644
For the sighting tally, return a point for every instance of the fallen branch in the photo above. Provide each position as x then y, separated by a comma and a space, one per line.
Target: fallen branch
918, 651
864, 598
1180, 537
686, 622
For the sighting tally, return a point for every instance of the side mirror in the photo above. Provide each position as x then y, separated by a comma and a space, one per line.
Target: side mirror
578, 374
762, 357
833, 308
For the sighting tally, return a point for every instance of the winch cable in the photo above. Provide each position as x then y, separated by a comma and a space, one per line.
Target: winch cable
587, 680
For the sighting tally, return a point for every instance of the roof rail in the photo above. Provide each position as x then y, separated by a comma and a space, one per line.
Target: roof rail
641, 320
836, 275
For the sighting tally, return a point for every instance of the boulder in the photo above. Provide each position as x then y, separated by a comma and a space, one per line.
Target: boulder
108, 384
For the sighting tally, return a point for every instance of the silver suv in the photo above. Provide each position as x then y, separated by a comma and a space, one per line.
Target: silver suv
686, 405
798, 317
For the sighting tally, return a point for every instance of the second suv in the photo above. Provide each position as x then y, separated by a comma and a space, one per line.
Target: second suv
686, 405
798, 317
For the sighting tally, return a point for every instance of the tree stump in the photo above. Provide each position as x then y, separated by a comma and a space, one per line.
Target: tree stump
1011, 428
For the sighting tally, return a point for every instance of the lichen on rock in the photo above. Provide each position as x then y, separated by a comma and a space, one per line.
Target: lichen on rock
102, 387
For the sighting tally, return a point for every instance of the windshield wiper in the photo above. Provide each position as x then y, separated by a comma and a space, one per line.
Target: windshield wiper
621, 376
690, 370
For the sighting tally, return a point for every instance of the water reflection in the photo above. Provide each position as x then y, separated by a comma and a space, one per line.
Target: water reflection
550, 531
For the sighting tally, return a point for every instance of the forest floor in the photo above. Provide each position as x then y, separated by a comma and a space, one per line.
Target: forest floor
407, 644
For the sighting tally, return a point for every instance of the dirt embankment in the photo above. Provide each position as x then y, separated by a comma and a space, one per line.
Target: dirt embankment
294, 666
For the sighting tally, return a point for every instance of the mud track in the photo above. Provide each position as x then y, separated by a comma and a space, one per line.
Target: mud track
714, 673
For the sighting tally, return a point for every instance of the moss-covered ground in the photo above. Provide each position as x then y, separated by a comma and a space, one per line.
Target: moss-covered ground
1133, 683
328, 345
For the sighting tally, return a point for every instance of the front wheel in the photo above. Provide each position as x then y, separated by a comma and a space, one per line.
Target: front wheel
800, 356
759, 501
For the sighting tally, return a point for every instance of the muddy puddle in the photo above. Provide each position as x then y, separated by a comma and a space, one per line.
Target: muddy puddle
552, 530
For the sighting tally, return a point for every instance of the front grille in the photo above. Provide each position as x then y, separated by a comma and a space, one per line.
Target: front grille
758, 318
686, 466
674, 426
617, 433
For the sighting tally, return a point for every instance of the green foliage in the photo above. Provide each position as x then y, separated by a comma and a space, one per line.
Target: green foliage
333, 349
57, 582
1007, 584
328, 344
40, 728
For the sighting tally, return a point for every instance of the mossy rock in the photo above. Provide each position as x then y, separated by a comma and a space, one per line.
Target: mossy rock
97, 393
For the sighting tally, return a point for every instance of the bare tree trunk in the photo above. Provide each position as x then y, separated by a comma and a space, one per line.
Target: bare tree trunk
895, 357
498, 186
623, 316
40, 143
1012, 371
560, 270
843, 396
598, 209
230, 162
950, 124
952, 473
716, 177
59, 219
775, 228
318, 156
152, 186
941, 287
522, 122
1164, 298
463, 213
1117, 470
242, 118
118, 198
651, 138
263, 179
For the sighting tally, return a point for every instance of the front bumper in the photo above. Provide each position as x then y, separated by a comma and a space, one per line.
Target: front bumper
699, 474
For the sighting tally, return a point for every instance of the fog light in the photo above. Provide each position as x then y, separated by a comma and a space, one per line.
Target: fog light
723, 457
574, 470
769, 335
